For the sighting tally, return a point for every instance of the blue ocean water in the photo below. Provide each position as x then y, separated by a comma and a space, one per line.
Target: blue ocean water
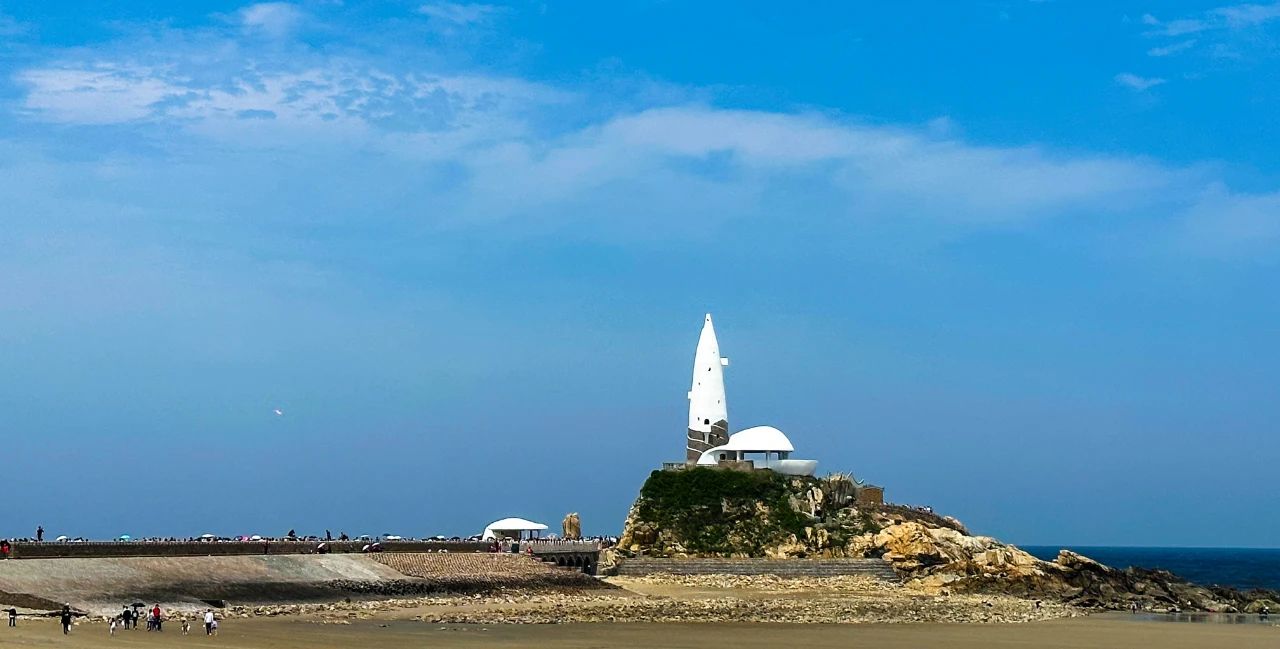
1239, 567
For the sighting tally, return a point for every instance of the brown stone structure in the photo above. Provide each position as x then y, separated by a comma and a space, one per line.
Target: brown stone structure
699, 441
869, 495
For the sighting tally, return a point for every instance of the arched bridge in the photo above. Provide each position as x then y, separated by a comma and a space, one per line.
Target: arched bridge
578, 555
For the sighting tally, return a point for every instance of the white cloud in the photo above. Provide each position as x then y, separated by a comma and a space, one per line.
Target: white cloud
481, 149
10, 26
1223, 223
1243, 16
1166, 50
1230, 17
339, 97
1137, 83
103, 93
274, 19
460, 14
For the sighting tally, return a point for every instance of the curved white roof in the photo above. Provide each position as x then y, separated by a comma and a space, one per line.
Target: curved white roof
708, 457
759, 438
521, 524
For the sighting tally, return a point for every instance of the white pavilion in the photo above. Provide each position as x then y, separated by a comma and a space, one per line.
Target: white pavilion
512, 528
765, 446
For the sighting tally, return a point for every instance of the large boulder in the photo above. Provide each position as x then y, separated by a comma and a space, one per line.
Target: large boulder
571, 526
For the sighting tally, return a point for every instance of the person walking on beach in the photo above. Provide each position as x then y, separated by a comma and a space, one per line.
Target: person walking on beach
186, 626
155, 617
208, 621
13, 617
113, 626
66, 619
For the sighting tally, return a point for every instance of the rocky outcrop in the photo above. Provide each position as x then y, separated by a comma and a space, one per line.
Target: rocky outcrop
944, 560
571, 526
776, 517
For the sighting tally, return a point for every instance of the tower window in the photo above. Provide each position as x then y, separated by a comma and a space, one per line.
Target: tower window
706, 422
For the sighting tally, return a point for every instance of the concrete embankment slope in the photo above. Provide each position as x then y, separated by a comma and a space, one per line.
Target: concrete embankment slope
108, 584
105, 585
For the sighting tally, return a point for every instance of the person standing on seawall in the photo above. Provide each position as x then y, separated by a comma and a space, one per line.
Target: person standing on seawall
39, 534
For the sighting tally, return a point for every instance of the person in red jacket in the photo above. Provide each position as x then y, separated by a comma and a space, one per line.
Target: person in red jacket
155, 616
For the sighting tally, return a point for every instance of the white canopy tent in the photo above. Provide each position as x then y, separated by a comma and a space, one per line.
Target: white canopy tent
512, 528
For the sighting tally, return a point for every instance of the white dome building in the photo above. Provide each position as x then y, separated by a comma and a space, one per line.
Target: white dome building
765, 446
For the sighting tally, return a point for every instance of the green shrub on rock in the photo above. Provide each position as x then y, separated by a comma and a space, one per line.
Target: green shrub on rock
710, 511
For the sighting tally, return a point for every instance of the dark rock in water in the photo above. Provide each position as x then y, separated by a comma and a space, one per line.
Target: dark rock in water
706, 512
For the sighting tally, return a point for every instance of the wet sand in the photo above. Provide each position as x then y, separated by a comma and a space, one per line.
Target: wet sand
282, 633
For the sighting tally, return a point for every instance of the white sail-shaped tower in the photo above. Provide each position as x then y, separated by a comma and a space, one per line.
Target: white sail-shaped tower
708, 410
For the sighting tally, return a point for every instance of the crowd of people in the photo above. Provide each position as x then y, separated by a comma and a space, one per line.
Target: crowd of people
128, 619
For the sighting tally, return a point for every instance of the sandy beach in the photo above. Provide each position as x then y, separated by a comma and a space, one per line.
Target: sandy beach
273, 633
668, 611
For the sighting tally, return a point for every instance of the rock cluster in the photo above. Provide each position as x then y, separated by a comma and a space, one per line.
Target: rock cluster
945, 560
931, 552
826, 600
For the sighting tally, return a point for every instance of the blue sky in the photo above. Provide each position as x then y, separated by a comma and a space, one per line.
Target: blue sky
1014, 260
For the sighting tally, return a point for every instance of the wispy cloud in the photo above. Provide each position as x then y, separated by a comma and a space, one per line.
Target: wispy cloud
1226, 18
1223, 223
337, 95
1247, 15
10, 26
1137, 83
456, 13
102, 93
1167, 50
274, 19
482, 149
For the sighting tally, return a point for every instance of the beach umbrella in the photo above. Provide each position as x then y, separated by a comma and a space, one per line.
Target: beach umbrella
255, 537
61, 538
208, 536
124, 537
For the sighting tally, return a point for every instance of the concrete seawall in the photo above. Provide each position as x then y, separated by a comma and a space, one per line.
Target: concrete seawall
105, 585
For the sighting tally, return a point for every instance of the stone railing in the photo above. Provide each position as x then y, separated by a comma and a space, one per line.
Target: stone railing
541, 546
57, 549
